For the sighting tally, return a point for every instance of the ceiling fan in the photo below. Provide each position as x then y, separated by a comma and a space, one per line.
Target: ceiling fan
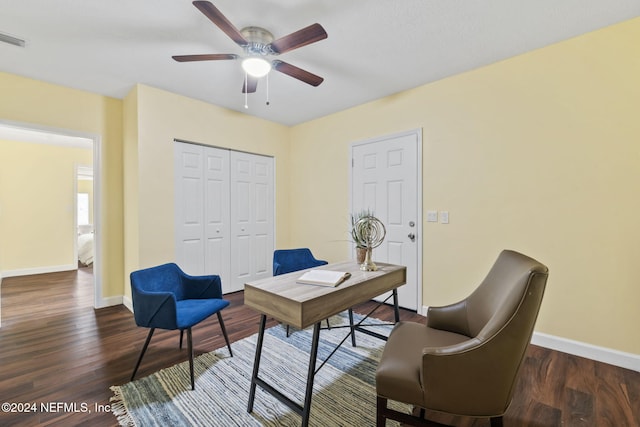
258, 45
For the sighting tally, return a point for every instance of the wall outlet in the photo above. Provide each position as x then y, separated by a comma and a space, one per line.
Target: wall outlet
444, 217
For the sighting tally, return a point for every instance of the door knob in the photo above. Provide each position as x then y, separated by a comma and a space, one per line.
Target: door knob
412, 237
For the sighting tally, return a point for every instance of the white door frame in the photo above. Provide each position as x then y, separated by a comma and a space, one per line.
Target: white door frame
98, 301
419, 225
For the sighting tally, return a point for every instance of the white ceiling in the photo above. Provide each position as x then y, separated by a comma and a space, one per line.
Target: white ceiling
374, 47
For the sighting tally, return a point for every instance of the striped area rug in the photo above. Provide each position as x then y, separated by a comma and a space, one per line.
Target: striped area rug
344, 389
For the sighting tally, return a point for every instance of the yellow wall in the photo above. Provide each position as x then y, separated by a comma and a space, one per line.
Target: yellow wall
539, 153
30, 101
154, 118
37, 204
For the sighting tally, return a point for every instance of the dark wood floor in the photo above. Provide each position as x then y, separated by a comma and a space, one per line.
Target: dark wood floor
54, 347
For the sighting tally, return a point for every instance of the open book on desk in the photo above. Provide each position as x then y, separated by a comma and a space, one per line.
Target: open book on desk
323, 277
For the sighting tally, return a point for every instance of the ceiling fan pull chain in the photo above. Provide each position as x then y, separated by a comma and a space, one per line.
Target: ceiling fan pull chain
246, 85
267, 89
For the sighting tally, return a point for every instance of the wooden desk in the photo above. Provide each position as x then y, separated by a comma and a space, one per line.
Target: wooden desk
303, 305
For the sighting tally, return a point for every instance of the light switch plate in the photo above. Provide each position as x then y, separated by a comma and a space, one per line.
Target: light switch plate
444, 217
432, 216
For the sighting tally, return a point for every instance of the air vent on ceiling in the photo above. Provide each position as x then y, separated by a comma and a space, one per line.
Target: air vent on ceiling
11, 40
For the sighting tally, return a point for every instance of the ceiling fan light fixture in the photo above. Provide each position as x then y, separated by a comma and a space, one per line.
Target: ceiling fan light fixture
256, 67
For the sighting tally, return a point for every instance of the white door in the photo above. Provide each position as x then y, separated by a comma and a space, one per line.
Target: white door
252, 218
386, 180
217, 215
189, 207
202, 210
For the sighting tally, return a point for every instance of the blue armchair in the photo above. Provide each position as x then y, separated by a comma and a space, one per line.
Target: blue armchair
289, 260
165, 297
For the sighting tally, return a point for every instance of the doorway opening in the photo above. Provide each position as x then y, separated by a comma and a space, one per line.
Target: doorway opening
64, 145
84, 213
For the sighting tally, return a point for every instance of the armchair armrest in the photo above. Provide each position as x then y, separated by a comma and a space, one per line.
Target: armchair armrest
154, 309
276, 268
319, 262
452, 318
474, 377
201, 287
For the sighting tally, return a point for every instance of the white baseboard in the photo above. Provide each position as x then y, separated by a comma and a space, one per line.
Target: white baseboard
127, 302
425, 308
582, 349
108, 301
590, 351
39, 270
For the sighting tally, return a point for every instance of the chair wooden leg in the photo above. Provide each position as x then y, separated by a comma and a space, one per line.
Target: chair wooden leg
496, 421
381, 406
144, 348
181, 334
224, 332
383, 413
190, 350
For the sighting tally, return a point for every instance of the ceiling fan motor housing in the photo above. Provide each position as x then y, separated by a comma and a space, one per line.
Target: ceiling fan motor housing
259, 41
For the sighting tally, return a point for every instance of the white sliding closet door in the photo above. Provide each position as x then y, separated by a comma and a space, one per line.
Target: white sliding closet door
189, 207
216, 213
224, 206
252, 218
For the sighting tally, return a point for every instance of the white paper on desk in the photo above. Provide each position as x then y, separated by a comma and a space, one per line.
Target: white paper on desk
323, 277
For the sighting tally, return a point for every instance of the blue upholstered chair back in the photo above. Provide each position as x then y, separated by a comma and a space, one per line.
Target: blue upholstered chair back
288, 260
155, 292
163, 278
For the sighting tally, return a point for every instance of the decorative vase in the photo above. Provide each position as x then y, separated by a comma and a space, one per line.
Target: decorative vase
368, 232
368, 264
361, 253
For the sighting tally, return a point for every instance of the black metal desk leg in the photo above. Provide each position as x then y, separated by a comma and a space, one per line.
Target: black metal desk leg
353, 329
396, 309
311, 374
256, 362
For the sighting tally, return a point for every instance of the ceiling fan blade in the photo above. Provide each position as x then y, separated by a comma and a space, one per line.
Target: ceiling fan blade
303, 37
297, 73
212, 12
205, 57
250, 85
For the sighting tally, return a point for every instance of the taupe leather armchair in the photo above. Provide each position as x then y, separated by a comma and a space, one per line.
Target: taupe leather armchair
465, 360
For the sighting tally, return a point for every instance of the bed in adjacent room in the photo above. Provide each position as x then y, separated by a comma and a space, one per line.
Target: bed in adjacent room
85, 244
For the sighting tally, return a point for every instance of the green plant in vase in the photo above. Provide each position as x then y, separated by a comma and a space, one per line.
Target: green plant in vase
367, 232
361, 247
